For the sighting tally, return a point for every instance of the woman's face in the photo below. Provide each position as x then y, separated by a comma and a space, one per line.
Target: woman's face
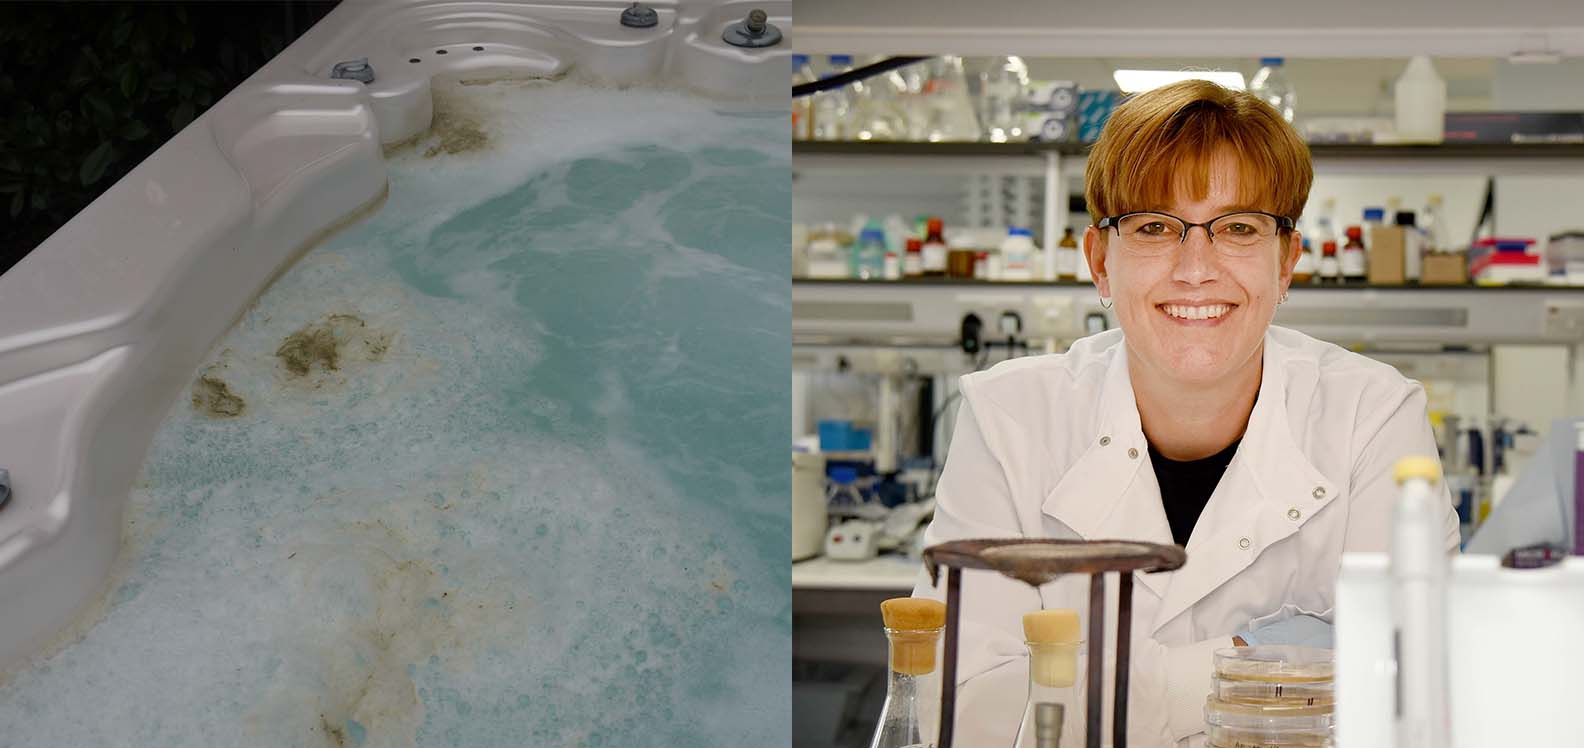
1195, 315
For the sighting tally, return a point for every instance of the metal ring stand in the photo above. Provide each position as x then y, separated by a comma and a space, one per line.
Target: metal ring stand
1037, 561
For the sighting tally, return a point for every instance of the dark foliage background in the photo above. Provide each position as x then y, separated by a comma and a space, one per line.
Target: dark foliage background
88, 90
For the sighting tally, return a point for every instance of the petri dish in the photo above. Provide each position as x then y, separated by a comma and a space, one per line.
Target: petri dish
1256, 692
1267, 726
1275, 664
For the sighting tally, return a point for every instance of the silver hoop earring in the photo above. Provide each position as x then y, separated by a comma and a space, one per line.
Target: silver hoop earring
1105, 303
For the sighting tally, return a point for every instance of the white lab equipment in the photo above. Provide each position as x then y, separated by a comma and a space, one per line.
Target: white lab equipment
900, 525
809, 518
1418, 571
1512, 650
853, 540
1418, 632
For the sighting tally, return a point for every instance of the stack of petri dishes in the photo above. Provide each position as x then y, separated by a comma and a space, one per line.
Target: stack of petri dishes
1271, 697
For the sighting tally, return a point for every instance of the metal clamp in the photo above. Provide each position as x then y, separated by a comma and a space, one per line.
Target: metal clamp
752, 32
355, 70
5, 487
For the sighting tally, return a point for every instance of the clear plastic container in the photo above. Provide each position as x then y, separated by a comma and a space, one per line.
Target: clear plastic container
878, 108
1002, 86
833, 109
1275, 664
1270, 84
951, 115
1267, 726
802, 108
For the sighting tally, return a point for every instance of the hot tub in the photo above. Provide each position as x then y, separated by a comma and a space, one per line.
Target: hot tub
462, 387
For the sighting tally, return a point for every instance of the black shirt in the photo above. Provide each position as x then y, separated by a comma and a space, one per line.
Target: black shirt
1186, 487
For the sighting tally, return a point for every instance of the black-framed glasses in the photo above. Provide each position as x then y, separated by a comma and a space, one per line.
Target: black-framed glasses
1236, 234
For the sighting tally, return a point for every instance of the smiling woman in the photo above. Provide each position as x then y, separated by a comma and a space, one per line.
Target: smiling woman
1264, 451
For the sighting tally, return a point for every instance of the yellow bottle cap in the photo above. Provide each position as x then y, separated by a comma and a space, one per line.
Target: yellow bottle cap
1428, 468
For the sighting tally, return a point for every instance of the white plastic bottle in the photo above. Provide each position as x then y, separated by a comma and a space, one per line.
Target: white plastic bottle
1421, 103
1017, 255
1271, 86
1418, 578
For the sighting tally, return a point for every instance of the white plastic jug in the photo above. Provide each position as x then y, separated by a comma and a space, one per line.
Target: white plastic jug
1421, 103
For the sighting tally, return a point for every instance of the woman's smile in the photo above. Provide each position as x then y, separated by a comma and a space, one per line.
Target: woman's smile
1196, 313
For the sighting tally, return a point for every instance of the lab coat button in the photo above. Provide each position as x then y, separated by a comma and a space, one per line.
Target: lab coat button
1319, 492
1104, 440
1243, 543
1293, 514
1132, 453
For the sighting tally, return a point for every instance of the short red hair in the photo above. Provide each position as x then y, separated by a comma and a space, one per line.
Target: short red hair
1160, 144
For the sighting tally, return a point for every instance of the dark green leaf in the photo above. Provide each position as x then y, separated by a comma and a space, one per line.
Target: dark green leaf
162, 82
99, 104
9, 188
134, 130
181, 14
228, 56
203, 78
122, 31
185, 87
128, 82
88, 53
16, 205
182, 115
93, 167
40, 200
186, 42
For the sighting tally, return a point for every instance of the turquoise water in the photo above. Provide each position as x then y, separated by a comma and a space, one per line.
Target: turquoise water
508, 468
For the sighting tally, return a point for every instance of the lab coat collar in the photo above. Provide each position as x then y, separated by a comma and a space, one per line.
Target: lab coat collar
1268, 491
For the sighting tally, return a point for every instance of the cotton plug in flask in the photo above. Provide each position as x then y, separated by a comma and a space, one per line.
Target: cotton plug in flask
911, 716
1052, 638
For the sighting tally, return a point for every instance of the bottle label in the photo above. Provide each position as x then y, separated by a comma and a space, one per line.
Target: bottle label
934, 258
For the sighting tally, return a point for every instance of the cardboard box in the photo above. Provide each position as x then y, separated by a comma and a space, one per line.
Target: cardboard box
1444, 270
1514, 127
1387, 246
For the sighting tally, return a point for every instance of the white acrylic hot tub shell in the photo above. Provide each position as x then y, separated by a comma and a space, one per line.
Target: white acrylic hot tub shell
103, 324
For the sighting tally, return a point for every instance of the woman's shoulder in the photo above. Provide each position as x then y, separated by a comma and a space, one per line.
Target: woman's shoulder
1023, 385
1332, 373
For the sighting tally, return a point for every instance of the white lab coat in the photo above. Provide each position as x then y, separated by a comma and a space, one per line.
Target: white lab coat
1050, 446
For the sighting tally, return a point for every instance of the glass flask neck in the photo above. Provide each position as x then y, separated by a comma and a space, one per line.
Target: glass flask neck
909, 717
1052, 680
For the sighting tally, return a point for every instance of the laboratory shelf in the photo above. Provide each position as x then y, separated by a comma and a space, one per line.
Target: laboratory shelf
976, 283
926, 313
1319, 150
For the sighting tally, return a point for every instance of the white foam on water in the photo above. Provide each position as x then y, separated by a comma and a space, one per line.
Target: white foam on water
499, 466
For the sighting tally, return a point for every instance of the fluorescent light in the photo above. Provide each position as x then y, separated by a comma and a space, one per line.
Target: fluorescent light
1134, 81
